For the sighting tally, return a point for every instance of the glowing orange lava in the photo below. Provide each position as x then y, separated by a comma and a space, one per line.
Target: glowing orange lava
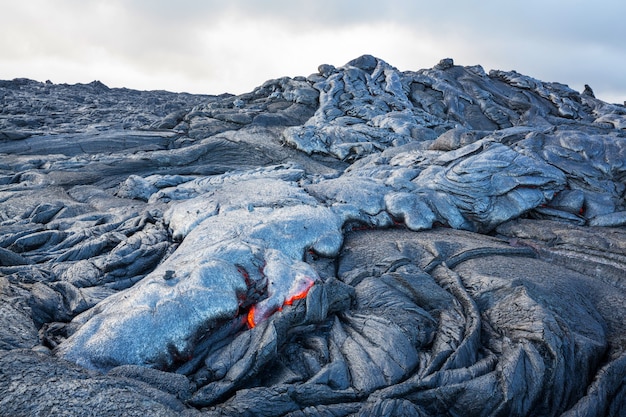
299, 296
251, 322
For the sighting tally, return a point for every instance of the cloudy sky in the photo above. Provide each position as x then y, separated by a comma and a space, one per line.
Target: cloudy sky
216, 46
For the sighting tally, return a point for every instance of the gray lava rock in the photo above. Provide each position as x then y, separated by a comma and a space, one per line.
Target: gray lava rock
362, 241
32, 383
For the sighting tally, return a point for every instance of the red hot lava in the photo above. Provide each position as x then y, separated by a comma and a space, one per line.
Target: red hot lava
299, 296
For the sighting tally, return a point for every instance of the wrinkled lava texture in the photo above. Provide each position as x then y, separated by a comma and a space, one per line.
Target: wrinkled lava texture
358, 242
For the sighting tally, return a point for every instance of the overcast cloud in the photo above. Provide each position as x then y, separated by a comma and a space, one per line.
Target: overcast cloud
210, 46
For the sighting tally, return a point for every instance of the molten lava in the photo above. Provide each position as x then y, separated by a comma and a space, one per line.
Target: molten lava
299, 296
251, 322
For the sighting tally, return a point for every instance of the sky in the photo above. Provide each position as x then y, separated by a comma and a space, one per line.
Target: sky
217, 46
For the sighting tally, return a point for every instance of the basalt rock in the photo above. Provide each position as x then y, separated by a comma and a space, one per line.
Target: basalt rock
361, 241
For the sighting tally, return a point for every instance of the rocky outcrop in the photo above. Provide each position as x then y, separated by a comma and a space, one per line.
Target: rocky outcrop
361, 241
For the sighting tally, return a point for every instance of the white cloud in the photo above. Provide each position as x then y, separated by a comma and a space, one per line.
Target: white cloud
213, 46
